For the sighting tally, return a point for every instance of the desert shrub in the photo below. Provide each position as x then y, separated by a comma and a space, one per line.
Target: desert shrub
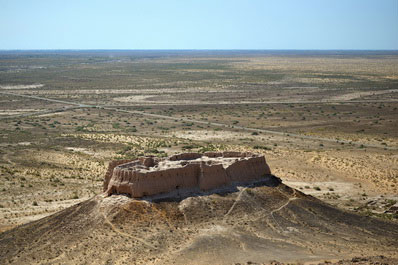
75, 196
189, 147
261, 147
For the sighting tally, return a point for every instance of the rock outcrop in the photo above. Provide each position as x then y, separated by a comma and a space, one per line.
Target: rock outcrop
149, 176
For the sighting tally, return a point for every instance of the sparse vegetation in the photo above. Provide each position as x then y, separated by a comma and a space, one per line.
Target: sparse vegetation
67, 149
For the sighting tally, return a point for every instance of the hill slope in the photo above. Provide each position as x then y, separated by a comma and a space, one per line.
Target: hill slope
256, 224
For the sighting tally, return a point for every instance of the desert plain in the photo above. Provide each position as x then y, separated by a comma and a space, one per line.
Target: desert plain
326, 121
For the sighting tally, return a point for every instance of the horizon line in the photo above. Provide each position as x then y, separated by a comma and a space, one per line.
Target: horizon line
188, 49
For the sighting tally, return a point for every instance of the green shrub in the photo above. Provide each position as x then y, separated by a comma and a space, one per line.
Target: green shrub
261, 147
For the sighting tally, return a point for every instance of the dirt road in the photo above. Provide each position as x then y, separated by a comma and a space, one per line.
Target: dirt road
217, 124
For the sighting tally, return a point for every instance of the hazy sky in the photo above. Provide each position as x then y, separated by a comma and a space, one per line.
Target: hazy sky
201, 24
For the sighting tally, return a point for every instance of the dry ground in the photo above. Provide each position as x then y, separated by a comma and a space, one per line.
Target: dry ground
251, 225
327, 123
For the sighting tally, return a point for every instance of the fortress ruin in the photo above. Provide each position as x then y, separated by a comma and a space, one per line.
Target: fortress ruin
149, 176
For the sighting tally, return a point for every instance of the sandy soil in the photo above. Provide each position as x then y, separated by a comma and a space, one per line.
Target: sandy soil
357, 95
329, 129
34, 86
252, 225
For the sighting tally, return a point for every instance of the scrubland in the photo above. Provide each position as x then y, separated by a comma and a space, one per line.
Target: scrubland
326, 122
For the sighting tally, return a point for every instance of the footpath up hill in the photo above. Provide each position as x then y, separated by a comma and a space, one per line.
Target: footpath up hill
253, 221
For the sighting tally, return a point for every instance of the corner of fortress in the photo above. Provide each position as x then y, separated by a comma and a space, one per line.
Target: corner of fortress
149, 176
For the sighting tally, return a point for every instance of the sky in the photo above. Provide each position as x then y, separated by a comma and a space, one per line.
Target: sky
200, 24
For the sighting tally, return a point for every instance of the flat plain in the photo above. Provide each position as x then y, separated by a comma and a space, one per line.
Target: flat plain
327, 121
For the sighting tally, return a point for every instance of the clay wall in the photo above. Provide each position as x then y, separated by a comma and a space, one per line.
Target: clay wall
147, 161
140, 184
213, 154
185, 156
168, 180
212, 176
122, 178
248, 170
233, 154
109, 171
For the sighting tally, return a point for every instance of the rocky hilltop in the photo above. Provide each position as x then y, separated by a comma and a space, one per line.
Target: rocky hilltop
184, 172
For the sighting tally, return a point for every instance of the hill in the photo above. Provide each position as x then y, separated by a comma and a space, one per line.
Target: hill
255, 224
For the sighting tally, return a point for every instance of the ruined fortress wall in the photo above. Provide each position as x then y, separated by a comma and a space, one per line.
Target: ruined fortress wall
168, 180
109, 172
233, 154
212, 176
122, 178
140, 184
213, 154
185, 156
248, 170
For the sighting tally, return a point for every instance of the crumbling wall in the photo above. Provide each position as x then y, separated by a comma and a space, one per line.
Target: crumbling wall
212, 176
185, 156
248, 170
139, 184
129, 178
147, 161
168, 180
109, 172
233, 154
213, 154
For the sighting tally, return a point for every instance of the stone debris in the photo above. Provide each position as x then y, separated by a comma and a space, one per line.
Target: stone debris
149, 176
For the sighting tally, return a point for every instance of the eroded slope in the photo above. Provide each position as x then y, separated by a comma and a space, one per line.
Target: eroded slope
256, 224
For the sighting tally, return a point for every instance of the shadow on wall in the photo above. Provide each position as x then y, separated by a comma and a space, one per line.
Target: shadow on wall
184, 173
181, 194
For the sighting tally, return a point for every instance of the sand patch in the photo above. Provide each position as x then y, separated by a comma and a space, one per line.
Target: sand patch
34, 86
16, 112
359, 94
